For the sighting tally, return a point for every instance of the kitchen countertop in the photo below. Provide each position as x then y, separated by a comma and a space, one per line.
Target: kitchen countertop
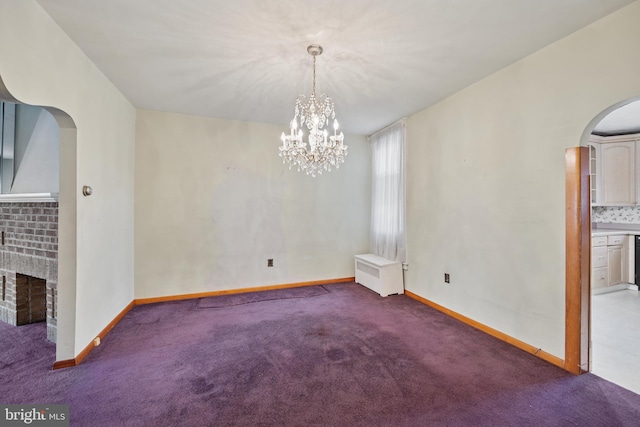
612, 231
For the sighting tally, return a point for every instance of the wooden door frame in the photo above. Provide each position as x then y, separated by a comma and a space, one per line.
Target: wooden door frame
577, 260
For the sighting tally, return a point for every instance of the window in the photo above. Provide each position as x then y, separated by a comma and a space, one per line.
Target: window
387, 193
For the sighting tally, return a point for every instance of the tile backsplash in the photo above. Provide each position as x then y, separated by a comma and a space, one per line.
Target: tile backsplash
616, 214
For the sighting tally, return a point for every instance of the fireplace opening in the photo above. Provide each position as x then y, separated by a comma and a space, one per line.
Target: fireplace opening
31, 299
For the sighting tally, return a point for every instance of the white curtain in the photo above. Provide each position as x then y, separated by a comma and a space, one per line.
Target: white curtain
387, 196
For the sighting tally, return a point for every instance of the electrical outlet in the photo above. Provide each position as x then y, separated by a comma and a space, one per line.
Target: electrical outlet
447, 278
270, 262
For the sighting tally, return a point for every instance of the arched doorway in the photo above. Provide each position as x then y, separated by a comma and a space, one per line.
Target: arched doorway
614, 144
66, 257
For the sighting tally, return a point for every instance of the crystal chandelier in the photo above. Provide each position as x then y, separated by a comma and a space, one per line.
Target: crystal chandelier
321, 151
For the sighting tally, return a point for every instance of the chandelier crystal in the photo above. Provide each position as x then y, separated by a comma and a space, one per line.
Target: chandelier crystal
321, 151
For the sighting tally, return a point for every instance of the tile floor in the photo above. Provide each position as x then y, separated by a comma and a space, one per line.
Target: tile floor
615, 338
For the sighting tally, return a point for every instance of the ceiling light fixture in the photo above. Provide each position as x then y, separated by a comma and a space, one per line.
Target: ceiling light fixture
321, 151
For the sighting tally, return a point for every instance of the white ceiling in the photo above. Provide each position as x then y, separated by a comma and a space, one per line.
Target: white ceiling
624, 120
247, 59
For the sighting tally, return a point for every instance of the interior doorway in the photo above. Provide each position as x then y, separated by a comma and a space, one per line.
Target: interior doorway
611, 143
65, 272
29, 187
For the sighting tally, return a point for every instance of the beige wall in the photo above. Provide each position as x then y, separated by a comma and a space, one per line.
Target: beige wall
41, 66
213, 202
486, 179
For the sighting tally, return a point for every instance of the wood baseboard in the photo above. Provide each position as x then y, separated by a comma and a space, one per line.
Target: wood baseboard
68, 363
61, 364
554, 360
154, 300
76, 360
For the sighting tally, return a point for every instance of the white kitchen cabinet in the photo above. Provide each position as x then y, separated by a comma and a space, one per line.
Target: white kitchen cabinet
618, 181
600, 257
609, 264
614, 170
617, 259
599, 241
615, 265
599, 264
600, 277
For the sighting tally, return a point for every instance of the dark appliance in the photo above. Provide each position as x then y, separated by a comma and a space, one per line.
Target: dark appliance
637, 263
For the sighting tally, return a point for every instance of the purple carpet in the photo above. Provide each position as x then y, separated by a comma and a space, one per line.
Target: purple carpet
343, 358
251, 297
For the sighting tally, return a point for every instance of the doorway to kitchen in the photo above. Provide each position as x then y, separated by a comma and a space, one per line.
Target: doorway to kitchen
613, 141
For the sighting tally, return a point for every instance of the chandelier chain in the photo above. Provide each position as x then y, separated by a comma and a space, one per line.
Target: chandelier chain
313, 88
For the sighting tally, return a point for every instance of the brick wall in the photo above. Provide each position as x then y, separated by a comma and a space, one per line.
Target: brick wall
30, 248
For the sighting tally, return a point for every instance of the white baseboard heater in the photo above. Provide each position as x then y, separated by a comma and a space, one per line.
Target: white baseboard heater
379, 274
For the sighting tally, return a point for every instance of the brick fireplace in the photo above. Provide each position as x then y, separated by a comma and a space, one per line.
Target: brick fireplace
29, 263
